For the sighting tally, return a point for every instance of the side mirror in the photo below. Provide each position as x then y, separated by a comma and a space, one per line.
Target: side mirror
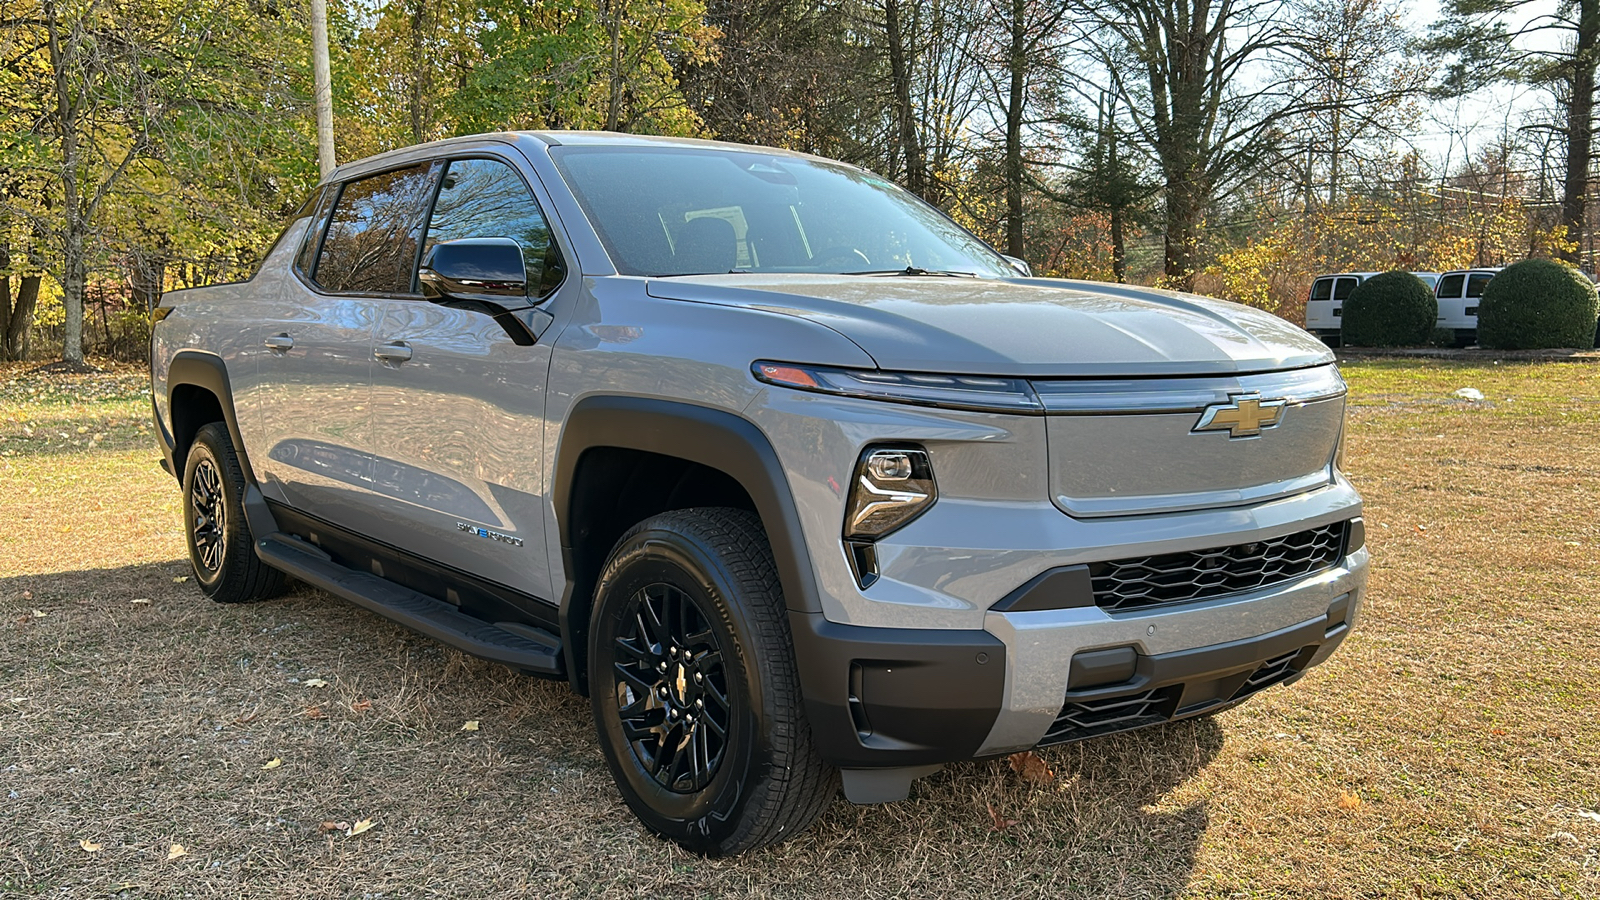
475, 269
488, 275
1020, 265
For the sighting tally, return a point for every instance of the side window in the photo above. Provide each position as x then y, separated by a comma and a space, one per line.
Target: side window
485, 198
313, 235
1341, 291
371, 245
1450, 286
1322, 289
1476, 283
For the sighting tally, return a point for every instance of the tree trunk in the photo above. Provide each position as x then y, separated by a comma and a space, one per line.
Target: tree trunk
419, 73
900, 74
614, 96
146, 279
1580, 127
1014, 109
75, 226
1185, 206
14, 342
1119, 251
323, 85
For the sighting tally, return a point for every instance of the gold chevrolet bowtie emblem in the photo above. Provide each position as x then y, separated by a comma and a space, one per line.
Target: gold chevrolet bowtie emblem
1245, 415
683, 684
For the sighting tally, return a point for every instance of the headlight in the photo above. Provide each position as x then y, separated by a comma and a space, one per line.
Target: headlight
892, 486
974, 392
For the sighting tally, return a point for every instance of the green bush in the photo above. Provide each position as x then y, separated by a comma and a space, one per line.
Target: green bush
1395, 309
1537, 303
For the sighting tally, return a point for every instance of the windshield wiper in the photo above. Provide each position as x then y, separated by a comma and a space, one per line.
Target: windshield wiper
913, 270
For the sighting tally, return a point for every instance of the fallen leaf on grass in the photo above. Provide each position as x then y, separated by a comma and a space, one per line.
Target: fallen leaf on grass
315, 712
334, 826
314, 683
1031, 767
361, 705
91, 846
140, 601
175, 851
180, 579
27, 595
359, 827
1000, 823
273, 763
1349, 801
472, 725
39, 614
1584, 813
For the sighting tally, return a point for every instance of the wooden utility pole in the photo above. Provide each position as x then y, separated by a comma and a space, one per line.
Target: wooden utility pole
324, 86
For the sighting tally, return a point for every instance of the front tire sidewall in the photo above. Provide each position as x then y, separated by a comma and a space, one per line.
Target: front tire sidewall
704, 820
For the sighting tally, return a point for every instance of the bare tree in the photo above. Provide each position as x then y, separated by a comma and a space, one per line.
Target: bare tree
1195, 78
1555, 45
1357, 71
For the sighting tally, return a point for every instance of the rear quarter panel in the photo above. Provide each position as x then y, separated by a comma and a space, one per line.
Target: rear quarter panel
220, 320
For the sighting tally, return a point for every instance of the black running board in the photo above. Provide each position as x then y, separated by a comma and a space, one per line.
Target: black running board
519, 646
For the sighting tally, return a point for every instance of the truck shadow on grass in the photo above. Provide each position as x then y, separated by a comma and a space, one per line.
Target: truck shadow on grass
149, 711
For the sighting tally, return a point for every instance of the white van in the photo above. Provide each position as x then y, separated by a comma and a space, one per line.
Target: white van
1458, 293
1325, 305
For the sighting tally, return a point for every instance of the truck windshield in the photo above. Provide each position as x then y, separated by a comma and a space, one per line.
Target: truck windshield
694, 211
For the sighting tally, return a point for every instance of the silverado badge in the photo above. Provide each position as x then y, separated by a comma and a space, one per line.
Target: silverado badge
1244, 416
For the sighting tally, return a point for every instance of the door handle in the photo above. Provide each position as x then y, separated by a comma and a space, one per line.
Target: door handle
392, 352
280, 343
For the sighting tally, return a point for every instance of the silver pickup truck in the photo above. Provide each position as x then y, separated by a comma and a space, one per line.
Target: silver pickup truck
796, 479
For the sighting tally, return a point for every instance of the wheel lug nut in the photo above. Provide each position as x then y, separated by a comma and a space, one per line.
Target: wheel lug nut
673, 651
698, 678
699, 704
672, 714
661, 667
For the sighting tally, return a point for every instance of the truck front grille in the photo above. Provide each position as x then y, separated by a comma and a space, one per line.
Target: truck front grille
1144, 581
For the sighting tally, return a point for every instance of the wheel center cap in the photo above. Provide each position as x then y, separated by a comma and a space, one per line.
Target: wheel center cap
682, 684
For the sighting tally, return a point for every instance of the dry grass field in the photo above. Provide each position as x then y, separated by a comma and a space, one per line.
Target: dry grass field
153, 744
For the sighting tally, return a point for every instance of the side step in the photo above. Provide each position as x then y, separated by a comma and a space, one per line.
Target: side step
517, 645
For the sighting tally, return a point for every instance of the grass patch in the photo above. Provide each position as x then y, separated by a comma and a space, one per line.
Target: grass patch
1450, 749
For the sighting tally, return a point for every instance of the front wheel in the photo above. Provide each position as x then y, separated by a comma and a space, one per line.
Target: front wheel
693, 685
221, 547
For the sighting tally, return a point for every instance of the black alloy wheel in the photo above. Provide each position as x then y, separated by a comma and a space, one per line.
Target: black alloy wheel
221, 547
672, 689
694, 688
208, 532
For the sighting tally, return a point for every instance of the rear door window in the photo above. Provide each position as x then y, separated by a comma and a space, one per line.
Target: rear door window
371, 246
1476, 282
485, 198
319, 224
1341, 291
1450, 286
1322, 289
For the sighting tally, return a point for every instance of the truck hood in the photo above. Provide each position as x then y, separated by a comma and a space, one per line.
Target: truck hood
1022, 327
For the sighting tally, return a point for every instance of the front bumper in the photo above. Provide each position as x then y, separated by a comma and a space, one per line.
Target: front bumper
883, 697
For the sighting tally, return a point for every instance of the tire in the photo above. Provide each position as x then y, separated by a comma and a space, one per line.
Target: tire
221, 547
689, 619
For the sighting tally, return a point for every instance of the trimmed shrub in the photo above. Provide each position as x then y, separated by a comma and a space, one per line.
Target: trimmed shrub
1535, 304
1394, 309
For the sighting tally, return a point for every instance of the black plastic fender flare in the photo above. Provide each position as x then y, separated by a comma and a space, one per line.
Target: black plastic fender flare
714, 438
207, 370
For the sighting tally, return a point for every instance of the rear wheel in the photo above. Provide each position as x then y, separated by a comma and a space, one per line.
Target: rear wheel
693, 685
221, 547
